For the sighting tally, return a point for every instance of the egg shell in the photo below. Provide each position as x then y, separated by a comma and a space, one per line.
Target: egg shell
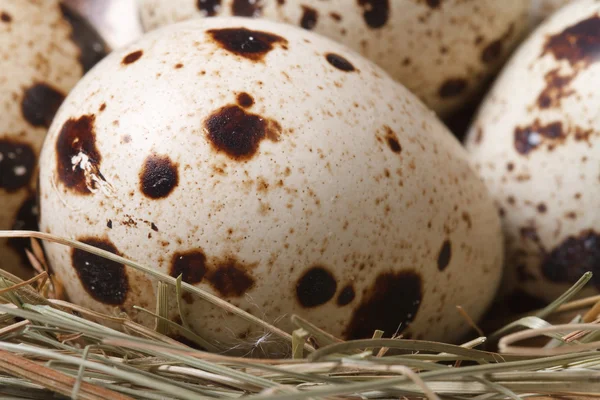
443, 51
276, 169
536, 144
44, 50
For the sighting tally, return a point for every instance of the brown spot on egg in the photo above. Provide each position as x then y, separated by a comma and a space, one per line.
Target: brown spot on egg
335, 16
315, 287
444, 255
178, 66
104, 280
132, 57
91, 46
309, 17
17, 164
237, 133
433, 3
576, 255
542, 208
188, 297
250, 44
557, 88
246, 8
40, 103
158, 177
392, 140
208, 8
339, 62
346, 296
528, 138
492, 52
230, 278
77, 139
5, 17
245, 100
375, 12
452, 87
191, 265
26, 219
109, 224
578, 44
390, 305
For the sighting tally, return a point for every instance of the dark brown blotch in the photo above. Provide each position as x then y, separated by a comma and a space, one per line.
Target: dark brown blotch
390, 305
77, 136
578, 44
105, 281
5, 17
340, 62
433, 3
246, 8
230, 278
557, 88
392, 140
375, 12
191, 265
444, 255
250, 44
40, 103
309, 17
245, 100
237, 133
92, 47
17, 164
528, 138
452, 87
492, 52
576, 255
315, 287
208, 7
26, 219
132, 57
346, 295
158, 177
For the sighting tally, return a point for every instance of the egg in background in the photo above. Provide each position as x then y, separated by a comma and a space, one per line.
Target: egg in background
536, 143
45, 48
443, 51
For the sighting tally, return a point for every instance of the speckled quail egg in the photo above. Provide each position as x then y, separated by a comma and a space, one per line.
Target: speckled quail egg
276, 169
443, 51
44, 50
536, 144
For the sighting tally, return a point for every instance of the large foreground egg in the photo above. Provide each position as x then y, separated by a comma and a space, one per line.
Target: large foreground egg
443, 51
536, 143
276, 169
44, 50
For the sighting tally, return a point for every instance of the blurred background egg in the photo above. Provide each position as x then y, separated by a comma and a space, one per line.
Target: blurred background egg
443, 51
45, 48
536, 143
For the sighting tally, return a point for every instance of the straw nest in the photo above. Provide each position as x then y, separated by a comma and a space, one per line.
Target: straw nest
52, 349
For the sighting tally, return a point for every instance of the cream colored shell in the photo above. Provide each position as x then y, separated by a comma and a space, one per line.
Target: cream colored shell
357, 202
39, 64
443, 51
536, 144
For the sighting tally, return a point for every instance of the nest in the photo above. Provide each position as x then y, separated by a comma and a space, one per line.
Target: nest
52, 349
